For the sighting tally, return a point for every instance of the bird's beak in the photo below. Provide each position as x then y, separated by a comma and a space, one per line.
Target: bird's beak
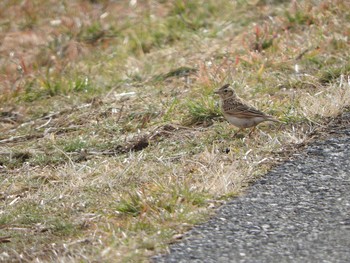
216, 92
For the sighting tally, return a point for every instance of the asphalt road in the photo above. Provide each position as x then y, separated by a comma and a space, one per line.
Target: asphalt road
298, 212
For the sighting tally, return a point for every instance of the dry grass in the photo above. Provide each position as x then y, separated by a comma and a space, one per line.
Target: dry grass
111, 141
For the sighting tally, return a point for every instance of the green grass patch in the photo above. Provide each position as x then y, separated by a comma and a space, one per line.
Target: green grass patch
201, 110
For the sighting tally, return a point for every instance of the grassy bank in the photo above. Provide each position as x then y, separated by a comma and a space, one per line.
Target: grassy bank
111, 140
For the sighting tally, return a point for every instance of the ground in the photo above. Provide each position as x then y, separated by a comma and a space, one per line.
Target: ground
112, 143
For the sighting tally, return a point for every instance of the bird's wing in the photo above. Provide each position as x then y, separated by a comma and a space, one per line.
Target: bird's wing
241, 110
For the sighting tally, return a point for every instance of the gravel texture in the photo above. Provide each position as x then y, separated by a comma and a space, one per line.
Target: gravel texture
299, 212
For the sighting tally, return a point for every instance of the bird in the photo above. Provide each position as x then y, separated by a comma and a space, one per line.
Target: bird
238, 113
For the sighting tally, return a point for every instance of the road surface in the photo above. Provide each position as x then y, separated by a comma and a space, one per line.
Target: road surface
298, 212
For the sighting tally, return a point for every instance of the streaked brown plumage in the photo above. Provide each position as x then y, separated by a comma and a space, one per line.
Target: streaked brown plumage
238, 113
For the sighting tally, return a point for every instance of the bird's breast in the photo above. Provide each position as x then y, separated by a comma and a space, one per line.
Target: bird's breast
243, 122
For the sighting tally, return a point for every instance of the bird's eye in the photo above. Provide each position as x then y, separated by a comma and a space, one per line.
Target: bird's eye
225, 90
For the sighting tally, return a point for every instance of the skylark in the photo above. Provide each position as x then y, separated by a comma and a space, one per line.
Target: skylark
238, 113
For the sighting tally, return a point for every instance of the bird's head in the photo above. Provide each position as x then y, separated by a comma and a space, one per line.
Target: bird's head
225, 91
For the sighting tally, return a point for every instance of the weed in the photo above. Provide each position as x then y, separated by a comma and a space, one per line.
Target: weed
92, 33
329, 75
201, 110
74, 146
299, 15
132, 206
61, 227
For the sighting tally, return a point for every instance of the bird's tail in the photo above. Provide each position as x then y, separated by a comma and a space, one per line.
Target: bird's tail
274, 119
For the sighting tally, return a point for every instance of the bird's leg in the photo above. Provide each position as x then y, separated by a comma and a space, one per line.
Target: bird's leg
235, 134
251, 131
280, 126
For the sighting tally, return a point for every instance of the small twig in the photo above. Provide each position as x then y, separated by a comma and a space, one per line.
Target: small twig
120, 113
61, 130
52, 115
43, 125
41, 135
302, 54
108, 153
65, 154
5, 239
21, 138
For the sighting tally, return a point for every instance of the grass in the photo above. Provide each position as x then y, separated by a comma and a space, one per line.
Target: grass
112, 143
